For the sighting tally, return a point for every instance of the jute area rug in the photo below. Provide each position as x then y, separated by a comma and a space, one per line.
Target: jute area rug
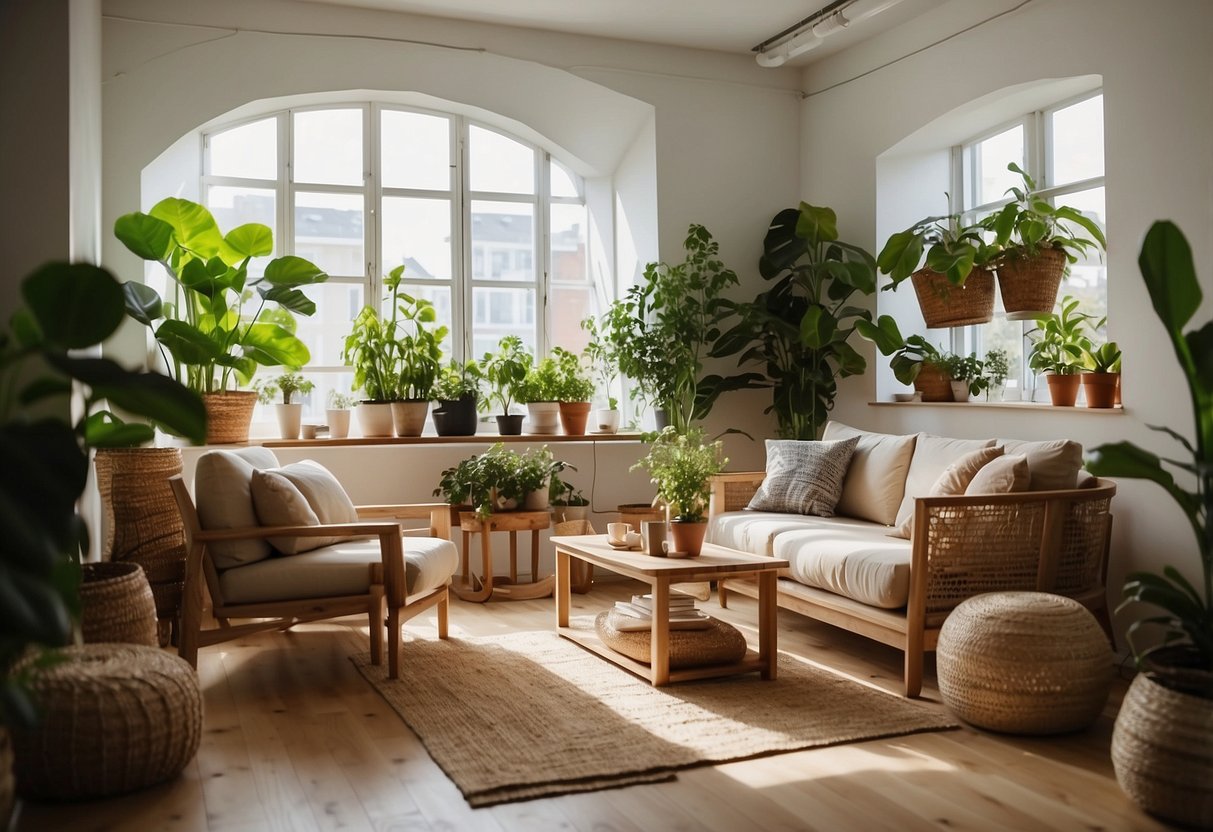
530, 714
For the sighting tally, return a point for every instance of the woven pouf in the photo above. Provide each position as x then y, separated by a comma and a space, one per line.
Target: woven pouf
113, 718
718, 644
1024, 663
116, 604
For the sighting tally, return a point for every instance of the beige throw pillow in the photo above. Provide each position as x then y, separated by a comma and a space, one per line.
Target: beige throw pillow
803, 477
1006, 475
1052, 464
301, 494
222, 493
952, 482
876, 476
932, 455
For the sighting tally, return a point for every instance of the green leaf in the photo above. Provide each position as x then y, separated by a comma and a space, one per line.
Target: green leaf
43, 475
850, 362
143, 303
196, 277
44, 388
1078, 218
884, 334
249, 240
292, 271
270, 344
105, 430
193, 226
291, 299
901, 255
1200, 345
781, 246
956, 262
1004, 223
816, 224
817, 327
1170, 276
76, 305
147, 237
187, 344
1124, 459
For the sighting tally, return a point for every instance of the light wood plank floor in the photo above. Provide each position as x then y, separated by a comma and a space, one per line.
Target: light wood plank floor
294, 739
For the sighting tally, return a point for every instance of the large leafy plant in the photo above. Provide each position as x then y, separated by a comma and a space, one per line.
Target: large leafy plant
909, 354
505, 370
1031, 224
799, 330
66, 308
1185, 611
681, 465
213, 342
952, 250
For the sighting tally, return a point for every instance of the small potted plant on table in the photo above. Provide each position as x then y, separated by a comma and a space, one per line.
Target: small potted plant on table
505, 370
290, 414
681, 466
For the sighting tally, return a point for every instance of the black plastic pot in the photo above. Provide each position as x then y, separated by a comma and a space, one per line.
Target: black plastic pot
510, 425
455, 417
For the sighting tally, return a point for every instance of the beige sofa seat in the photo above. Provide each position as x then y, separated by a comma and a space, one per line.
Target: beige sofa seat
336, 570
854, 560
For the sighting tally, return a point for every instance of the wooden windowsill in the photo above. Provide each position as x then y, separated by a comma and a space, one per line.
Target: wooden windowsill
433, 439
1041, 407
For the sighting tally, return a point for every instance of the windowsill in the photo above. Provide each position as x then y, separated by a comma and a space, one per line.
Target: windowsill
1039, 406
433, 439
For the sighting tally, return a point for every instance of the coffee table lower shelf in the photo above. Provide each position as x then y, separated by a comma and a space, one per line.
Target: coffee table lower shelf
752, 663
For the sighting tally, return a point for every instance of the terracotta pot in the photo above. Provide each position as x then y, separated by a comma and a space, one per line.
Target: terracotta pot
1063, 388
1100, 388
228, 416
944, 305
510, 425
408, 417
543, 417
290, 418
687, 536
1029, 285
934, 384
375, 418
573, 417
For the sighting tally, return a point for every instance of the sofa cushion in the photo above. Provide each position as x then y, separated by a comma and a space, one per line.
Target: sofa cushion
755, 532
932, 455
338, 570
804, 477
876, 477
279, 502
222, 492
953, 481
858, 561
1005, 475
1052, 464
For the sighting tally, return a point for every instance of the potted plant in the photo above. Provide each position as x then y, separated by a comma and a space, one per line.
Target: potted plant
66, 307
535, 469
540, 392
967, 373
1101, 374
574, 390
373, 351
1163, 725
914, 360
419, 347
568, 502
338, 414
601, 356
486, 482
213, 343
799, 331
997, 366
954, 285
290, 414
505, 370
1037, 243
681, 465
457, 391
1058, 346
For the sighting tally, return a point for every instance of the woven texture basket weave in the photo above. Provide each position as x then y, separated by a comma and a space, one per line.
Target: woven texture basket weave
228, 416
116, 604
944, 305
114, 718
1162, 752
933, 383
8, 786
1024, 663
1029, 285
719, 644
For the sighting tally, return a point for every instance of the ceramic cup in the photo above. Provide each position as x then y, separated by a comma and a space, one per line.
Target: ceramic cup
616, 532
632, 540
652, 535
309, 431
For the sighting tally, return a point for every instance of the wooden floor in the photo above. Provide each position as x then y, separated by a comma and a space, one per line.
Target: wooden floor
294, 738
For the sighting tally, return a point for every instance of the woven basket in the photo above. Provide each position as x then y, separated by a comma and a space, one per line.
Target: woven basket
116, 604
142, 523
944, 305
634, 513
1029, 285
228, 416
719, 644
1024, 663
8, 785
933, 383
1162, 752
113, 718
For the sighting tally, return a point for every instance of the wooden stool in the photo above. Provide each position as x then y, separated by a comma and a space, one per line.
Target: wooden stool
471, 589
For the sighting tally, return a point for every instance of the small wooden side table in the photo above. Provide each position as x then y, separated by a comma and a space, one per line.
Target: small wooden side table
470, 588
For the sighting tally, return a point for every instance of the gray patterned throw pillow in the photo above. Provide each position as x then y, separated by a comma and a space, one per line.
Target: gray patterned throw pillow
804, 477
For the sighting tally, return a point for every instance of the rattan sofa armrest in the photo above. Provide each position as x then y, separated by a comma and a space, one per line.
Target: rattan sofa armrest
732, 491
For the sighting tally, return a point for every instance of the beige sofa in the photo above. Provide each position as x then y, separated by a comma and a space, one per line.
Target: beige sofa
848, 571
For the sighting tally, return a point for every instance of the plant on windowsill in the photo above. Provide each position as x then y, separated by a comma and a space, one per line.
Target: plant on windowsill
213, 344
337, 414
540, 392
372, 350
1101, 374
967, 373
505, 371
420, 350
601, 355
457, 394
681, 465
1038, 242
914, 360
290, 414
1162, 733
1058, 346
998, 366
574, 391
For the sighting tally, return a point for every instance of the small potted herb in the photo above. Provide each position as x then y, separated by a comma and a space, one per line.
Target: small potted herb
968, 375
997, 368
574, 390
505, 371
540, 393
290, 414
681, 466
338, 413
536, 468
456, 393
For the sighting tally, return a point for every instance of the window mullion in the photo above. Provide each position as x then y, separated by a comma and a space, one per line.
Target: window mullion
461, 253
541, 262
286, 188
372, 181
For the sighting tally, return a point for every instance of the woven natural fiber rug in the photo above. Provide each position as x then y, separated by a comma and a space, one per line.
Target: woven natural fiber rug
530, 715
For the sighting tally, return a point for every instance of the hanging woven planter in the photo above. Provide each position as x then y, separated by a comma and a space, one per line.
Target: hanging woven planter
946, 305
1029, 285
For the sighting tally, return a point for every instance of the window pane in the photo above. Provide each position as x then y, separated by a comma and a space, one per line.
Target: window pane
417, 233
324, 332
567, 231
1077, 142
503, 241
416, 151
237, 206
988, 160
1001, 334
500, 312
500, 164
562, 182
440, 296
1088, 278
328, 147
328, 231
249, 151
1091, 203
570, 306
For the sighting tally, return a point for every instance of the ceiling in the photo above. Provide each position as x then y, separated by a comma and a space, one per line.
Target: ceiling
720, 25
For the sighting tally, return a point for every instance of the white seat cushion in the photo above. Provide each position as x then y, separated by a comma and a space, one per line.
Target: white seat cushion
860, 562
222, 492
337, 570
757, 532
876, 477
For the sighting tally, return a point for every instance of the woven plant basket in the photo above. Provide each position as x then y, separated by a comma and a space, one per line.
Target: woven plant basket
113, 718
116, 604
142, 523
228, 416
1029, 285
944, 305
933, 383
719, 644
1024, 663
1162, 753
8, 785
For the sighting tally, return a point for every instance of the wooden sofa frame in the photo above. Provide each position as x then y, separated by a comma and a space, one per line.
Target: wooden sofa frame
388, 586
1049, 541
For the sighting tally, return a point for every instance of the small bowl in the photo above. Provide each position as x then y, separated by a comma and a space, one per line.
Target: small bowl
906, 397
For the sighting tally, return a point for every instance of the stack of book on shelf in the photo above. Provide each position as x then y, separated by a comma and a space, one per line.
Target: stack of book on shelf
637, 614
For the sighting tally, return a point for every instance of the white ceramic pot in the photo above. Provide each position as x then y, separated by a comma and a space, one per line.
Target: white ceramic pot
409, 417
536, 500
290, 417
606, 420
339, 423
960, 391
375, 418
543, 417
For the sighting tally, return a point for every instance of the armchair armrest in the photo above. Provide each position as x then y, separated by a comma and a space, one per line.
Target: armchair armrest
732, 491
439, 515
331, 530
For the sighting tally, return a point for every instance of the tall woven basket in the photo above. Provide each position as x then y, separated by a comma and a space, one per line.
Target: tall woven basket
1029, 285
945, 305
142, 523
228, 416
116, 604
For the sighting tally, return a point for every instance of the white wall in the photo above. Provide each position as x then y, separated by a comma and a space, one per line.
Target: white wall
1156, 69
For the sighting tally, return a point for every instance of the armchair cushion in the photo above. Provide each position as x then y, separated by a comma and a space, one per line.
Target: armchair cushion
804, 477
876, 477
223, 495
300, 494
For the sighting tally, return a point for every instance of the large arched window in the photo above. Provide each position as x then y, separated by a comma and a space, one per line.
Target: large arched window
490, 228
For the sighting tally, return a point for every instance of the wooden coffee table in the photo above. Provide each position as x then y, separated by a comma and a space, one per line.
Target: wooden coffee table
714, 563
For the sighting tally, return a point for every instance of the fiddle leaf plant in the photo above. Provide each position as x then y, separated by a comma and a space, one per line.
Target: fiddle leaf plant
1182, 658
